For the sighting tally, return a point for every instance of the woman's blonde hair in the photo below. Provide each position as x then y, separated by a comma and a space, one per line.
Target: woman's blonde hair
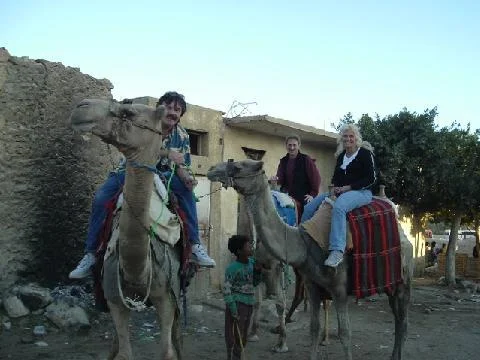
358, 138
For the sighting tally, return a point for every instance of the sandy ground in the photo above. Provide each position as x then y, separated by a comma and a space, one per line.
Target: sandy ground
444, 325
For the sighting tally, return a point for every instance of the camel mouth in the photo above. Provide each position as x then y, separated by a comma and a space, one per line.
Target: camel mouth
83, 127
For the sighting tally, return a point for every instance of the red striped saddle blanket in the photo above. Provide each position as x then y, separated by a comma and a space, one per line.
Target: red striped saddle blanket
376, 254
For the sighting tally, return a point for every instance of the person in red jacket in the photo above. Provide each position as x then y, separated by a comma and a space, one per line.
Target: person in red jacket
297, 174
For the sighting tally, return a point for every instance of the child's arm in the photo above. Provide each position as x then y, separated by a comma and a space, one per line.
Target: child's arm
227, 293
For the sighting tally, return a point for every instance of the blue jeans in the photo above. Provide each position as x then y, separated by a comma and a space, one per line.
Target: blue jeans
104, 194
346, 202
187, 203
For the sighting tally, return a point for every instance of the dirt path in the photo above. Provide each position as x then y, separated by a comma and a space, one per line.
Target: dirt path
443, 326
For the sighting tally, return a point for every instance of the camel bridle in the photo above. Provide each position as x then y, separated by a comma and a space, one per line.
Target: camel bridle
230, 175
123, 113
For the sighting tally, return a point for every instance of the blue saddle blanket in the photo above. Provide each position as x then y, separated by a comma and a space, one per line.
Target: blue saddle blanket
285, 206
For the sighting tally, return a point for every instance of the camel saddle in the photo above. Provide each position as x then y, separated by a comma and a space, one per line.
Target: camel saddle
166, 225
373, 245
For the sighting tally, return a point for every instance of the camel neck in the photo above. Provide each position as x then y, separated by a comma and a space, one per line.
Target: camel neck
283, 241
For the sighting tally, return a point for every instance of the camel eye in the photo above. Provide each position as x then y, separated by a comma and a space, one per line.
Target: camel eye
127, 113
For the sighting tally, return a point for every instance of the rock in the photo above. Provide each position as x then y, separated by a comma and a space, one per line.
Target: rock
202, 330
67, 317
27, 340
7, 325
197, 309
39, 330
41, 343
14, 306
34, 297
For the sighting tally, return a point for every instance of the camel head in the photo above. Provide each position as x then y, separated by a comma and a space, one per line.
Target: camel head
132, 128
246, 176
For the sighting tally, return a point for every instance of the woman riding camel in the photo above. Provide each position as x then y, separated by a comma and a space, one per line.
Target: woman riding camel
353, 179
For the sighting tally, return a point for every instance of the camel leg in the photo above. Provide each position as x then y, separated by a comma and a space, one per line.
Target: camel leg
399, 302
253, 333
121, 348
315, 301
305, 298
298, 297
340, 300
325, 340
167, 313
281, 346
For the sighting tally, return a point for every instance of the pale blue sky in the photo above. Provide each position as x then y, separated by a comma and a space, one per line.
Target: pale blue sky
305, 61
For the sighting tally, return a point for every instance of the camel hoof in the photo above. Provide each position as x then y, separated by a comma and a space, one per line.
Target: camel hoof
280, 348
253, 338
325, 342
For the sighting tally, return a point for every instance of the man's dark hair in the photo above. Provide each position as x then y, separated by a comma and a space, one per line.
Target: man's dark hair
237, 242
173, 96
294, 137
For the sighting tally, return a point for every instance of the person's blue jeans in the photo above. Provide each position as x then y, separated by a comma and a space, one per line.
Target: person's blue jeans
103, 195
187, 203
346, 202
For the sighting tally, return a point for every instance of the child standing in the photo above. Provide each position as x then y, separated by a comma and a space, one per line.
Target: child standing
241, 276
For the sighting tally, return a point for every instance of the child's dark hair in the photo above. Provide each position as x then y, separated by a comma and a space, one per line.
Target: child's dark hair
237, 242
173, 96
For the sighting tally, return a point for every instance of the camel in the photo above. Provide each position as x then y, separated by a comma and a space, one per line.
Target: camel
294, 247
275, 283
141, 267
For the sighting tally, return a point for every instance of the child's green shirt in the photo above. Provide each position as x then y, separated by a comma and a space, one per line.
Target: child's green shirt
240, 280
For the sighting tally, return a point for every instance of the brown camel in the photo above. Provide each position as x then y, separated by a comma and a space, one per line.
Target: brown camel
140, 266
275, 287
293, 246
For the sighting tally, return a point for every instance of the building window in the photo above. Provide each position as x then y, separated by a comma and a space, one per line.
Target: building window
253, 154
198, 142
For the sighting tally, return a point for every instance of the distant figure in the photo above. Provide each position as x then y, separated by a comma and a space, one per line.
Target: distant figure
442, 250
432, 255
476, 251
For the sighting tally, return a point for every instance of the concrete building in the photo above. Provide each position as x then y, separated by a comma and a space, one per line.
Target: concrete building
215, 139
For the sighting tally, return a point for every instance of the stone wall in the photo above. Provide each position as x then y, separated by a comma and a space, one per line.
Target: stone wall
47, 173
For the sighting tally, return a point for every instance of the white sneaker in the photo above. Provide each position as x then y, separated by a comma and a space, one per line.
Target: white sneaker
334, 259
83, 268
200, 256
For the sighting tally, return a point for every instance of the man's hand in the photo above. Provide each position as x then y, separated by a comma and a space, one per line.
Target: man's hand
176, 157
187, 179
308, 198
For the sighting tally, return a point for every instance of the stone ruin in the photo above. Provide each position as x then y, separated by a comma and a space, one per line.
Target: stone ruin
47, 176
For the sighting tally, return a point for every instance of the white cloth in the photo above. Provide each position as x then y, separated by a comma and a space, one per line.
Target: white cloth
284, 200
347, 160
164, 223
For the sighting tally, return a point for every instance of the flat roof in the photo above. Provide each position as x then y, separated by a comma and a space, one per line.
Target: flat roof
279, 127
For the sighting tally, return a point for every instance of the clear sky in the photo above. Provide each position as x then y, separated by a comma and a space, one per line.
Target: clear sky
304, 61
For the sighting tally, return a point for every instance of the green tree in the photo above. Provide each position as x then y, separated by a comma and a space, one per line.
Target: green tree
457, 183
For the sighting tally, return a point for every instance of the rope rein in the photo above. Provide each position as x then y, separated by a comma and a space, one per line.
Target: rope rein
135, 304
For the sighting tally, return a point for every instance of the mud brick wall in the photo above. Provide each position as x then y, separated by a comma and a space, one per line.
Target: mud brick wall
47, 173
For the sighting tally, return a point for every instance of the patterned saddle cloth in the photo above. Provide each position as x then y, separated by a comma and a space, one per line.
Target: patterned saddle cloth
374, 251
